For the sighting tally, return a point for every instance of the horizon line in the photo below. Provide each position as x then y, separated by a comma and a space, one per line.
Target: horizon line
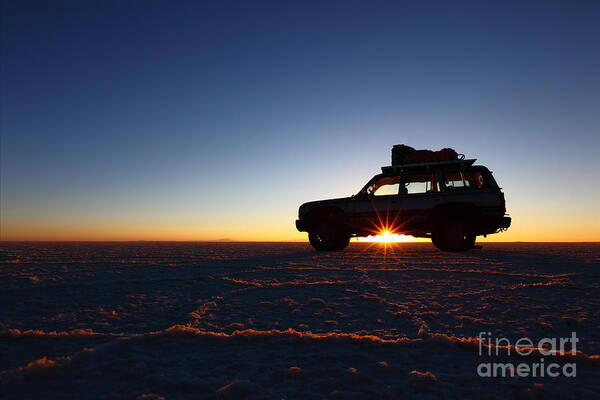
252, 241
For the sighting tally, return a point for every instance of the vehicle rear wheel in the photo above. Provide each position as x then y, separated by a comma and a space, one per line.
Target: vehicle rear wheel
470, 241
328, 237
437, 241
452, 236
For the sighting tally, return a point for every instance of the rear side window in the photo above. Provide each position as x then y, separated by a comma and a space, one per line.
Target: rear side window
459, 180
455, 180
476, 179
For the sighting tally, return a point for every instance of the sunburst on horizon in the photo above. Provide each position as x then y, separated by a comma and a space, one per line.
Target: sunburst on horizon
386, 236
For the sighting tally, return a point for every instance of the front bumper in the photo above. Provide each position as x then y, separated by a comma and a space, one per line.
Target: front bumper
301, 225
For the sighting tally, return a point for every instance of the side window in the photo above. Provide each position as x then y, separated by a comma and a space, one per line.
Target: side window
465, 180
455, 180
420, 183
387, 186
476, 180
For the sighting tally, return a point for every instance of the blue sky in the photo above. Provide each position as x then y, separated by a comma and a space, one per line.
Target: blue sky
198, 120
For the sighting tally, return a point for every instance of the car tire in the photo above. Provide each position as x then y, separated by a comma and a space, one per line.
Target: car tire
316, 241
343, 241
437, 241
452, 235
470, 241
328, 237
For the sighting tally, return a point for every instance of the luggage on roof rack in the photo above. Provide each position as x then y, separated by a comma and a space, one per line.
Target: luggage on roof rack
402, 155
460, 163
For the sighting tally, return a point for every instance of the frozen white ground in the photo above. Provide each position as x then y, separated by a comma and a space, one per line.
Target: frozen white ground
229, 320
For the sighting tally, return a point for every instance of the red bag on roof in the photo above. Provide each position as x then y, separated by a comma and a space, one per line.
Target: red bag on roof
448, 154
402, 154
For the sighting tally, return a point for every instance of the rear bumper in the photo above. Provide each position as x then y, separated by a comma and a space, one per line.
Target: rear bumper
494, 224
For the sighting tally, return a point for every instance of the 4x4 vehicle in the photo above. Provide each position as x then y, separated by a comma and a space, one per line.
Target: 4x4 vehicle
450, 202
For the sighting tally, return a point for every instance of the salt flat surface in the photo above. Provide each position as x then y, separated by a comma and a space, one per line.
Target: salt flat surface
278, 320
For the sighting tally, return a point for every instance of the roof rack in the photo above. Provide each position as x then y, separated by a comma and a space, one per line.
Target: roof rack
426, 165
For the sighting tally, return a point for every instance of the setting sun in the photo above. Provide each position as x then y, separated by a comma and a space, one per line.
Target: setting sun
387, 237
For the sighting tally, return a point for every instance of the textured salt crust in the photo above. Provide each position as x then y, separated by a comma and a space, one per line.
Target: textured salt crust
278, 320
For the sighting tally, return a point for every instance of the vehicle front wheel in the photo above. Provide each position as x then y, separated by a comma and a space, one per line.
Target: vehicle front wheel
452, 236
328, 237
342, 241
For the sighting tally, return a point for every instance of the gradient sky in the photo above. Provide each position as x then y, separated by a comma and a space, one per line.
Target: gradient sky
202, 121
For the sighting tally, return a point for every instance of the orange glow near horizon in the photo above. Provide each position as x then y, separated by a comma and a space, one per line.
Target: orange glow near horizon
530, 224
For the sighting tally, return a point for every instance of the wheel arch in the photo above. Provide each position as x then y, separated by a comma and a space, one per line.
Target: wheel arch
464, 211
325, 213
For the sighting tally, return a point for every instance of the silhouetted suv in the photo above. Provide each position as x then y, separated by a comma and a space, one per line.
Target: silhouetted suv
450, 202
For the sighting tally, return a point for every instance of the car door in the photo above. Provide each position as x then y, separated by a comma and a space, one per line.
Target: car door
376, 209
420, 193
